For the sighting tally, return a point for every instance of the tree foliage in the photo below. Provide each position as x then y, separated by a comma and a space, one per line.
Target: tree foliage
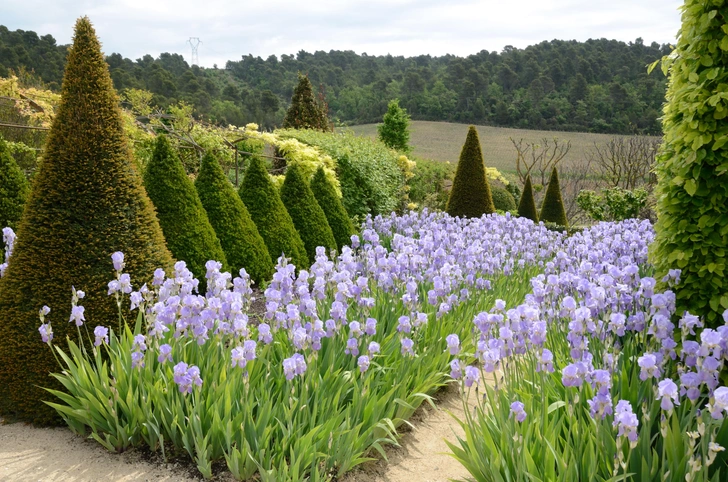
86, 202
270, 216
308, 217
692, 167
14, 188
336, 215
470, 194
598, 85
527, 204
187, 230
305, 111
552, 209
394, 129
242, 243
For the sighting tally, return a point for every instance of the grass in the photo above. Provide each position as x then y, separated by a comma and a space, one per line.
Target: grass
442, 141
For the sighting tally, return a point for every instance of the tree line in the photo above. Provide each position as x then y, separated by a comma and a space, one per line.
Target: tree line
598, 85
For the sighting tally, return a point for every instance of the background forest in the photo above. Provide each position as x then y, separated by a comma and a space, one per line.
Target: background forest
593, 86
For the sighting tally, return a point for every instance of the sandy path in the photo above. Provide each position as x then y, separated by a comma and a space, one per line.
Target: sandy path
423, 454
41, 454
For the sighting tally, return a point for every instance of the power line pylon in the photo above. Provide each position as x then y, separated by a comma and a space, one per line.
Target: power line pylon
195, 43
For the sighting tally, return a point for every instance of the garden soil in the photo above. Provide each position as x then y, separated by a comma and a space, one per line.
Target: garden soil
56, 454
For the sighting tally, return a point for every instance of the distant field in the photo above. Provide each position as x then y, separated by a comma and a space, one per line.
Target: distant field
442, 141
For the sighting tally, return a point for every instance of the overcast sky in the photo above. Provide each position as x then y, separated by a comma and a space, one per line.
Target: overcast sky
231, 28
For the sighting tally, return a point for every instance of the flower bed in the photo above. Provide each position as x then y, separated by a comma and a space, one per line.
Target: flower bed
594, 380
343, 355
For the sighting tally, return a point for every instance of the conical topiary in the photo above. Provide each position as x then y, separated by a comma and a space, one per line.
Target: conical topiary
14, 188
269, 214
336, 215
188, 232
308, 217
240, 239
86, 202
527, 206
552, 209
305, 112
470, 194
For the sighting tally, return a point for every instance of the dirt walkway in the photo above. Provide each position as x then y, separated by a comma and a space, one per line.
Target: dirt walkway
37, 454
423, 454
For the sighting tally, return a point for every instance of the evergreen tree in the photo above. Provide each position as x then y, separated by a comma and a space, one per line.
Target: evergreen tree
305, 112
184, 222
527, 205
243, 245
270, 216
470, 194
692, 187
336, 215
86, 202
394, 131
308, 217
14, 188
552, 209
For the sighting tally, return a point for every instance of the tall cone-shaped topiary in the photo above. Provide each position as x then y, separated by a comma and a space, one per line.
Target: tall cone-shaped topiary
240, 239
185, 225
270, 216
470, 194
552, 209
692, 165
308, 217
527, 205
305, 112
86, 202
14, 189
336, 215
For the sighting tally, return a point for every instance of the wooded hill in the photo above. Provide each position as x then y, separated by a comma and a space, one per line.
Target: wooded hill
594, 86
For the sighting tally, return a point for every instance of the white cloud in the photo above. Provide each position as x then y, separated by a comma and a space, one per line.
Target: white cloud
229, 29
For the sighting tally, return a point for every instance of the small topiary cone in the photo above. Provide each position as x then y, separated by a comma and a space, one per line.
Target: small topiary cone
336, 215
470, 195
243, 245
527, 205
14, 189
189, 234
552, 209
269, 214
308, 217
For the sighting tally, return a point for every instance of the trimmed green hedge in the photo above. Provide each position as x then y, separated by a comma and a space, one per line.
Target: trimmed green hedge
269, 214
187, 230
336, 215
242, 243
369, 174
692, 166
308, 217
14, 189
502, 199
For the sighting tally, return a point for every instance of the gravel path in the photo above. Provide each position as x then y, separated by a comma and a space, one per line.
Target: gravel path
42, 454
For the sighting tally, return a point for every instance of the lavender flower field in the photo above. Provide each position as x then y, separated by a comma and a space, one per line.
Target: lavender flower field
593, 380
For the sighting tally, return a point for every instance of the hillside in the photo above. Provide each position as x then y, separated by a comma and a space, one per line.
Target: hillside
442, 141
595, 86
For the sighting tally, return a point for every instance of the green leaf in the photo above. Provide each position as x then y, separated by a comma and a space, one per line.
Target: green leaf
690, 187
